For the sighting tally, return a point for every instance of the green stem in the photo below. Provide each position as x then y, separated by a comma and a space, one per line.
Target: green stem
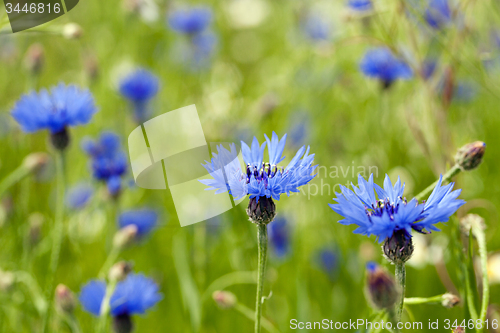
401, 280
105, 307
424, 300
455, 170
262, 245
13, 178
57, 236
483, 254
394, 320
110, 260
247, 312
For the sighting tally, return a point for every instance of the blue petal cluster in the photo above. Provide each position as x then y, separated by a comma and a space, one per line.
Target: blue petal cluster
54, 110
329, 261
279, 236
391, 212
79, 196
382, 64
139, 87
144, 219
108, 160
360, 5
261, 179
192, 20
438, 13
134, 295
316, 27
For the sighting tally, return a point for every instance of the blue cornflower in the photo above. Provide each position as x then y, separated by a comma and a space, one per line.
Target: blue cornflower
261, 179
279, 236
360, 5
191, 21
392, 214
79, 196
108, 160
428, 68
382, 64
203, 46
329, 261
438, 13
144, 219
316, 27
134, 295
63, 106
139, 87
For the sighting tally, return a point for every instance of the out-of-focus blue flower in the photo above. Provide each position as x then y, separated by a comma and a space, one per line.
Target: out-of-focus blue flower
329, 260
63, 106
144, 219
299, 130
391, 212
79, 196
428, 68
279, 236
134, 295
203, 47
261, 179
139, 87
464, 91
360, 5
438, 13
108, 160
316, 27
382, 64
192, 20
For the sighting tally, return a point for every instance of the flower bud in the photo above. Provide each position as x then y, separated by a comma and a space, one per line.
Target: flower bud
119, 271
224, 299
125, 236
65, 300
122, 324
35, 161
450, 300
72, 31
35, 58
7, 280
35, 222
459, 329
261, 212
60, 140
381, 289
399, 247
470, 222
471, 155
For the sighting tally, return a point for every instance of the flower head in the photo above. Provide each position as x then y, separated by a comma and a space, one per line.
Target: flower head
139, 87
316, 27
261, 178
329, 261
192, 20
438, 13
381, 289
391, 213
54, 110
144, 219
79, 195
382, 64
108, 160
134, 295
279, 236
360, 5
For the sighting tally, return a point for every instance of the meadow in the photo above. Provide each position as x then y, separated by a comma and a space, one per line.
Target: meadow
382, 87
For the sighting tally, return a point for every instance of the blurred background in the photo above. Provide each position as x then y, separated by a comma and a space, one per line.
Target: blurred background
256, 66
